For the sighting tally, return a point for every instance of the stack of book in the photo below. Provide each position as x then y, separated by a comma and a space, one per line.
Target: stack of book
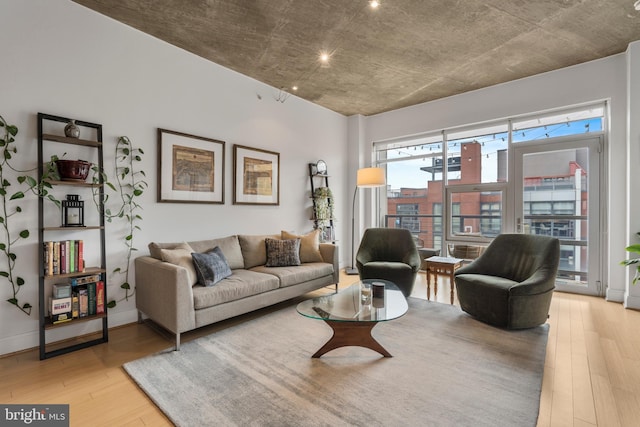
80, 297
62, 257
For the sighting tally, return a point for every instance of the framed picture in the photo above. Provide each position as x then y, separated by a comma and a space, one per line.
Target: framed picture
256, 176
190, 168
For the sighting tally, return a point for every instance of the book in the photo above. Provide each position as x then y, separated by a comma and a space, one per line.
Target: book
63, 258
80, 255
67, 262
61, 317
48, 258
75, 306
59, 305
83, 302
99, 297
56, 257
91, 292
77, 281
71, 254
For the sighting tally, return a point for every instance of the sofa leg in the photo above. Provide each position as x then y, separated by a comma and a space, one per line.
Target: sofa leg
177, 341
336, 285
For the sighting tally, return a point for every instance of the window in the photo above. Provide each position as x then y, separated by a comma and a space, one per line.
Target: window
467, 169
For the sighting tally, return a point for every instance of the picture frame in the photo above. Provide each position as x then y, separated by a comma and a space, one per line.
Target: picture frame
256, 176
190, 168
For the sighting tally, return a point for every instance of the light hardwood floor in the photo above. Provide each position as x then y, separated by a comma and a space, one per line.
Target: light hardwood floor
591, 378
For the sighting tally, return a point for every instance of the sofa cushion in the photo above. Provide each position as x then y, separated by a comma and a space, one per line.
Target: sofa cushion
241, 284
309, 245
229, 246
294, 275
211, 267
282, 253
254, 250
181, 256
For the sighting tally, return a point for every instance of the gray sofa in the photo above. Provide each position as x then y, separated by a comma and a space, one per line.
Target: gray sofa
167, 294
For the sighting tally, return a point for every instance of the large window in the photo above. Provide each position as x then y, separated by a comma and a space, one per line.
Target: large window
451, 185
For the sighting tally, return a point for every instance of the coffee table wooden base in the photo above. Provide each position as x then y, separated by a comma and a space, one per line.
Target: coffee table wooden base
351, 334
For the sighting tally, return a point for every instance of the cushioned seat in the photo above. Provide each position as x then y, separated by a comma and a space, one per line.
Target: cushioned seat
390, 254
510, 285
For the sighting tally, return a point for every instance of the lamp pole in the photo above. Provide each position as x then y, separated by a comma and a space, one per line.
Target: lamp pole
352, 270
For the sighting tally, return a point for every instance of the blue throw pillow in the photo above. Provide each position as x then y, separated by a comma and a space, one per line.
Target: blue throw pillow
211, 267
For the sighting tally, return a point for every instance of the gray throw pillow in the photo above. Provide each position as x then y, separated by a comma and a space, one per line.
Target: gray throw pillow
282, 253
211, 267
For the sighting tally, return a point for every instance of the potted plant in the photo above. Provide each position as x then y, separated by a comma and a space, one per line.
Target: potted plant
636, 250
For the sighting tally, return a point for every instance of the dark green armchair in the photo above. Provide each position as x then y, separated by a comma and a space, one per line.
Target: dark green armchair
390, 254
510, 285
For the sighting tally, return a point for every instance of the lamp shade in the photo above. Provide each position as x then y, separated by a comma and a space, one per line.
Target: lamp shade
370, 177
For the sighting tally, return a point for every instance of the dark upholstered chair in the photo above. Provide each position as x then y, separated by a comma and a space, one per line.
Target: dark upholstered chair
511, 283
390, 254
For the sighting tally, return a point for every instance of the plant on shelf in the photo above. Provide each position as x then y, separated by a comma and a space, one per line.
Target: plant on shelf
323, 206
130, 185
633, 261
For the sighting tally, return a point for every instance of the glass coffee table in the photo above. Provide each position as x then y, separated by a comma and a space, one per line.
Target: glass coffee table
353, 312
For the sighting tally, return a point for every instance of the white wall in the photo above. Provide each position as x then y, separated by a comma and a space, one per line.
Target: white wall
63, 59
632, 295
604, 79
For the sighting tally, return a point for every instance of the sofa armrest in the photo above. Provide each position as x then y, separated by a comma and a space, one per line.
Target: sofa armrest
164, 294
329, 254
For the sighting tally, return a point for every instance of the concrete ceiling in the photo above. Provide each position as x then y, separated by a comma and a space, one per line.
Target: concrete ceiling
405, 52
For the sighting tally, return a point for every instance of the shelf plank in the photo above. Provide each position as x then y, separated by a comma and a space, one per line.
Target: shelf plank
87, 227
74, 141
75, 183
87, 271
49, 325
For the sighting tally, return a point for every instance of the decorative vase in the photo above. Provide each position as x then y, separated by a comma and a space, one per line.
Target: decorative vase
71, 130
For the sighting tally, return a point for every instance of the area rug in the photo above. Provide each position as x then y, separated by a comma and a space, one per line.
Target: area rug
447, 369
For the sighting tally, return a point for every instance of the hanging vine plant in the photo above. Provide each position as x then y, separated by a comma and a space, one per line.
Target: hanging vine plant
129, 184
9, 209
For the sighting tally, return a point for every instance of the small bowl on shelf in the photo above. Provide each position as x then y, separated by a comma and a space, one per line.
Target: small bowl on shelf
73, 170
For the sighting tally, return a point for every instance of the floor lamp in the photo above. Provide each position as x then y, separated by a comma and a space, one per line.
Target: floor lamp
366, 178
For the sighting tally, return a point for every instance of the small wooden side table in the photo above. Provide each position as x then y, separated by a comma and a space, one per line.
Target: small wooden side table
444, 266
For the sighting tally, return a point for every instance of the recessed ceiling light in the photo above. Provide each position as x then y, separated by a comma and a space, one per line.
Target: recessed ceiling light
324, 56
374, 4
294, 88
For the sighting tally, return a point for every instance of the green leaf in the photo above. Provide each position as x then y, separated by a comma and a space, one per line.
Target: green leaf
633, 248
7, 154
12, 256
137, 192
125, 285
6, 183
20, 281
31, 182
117, 270
140, 151
126, 151
18, 209
111, 186
13, 301
18, 195
13, 130
3, 192
129, 237
24, 234
4, 274
138, 158
111, 304
3, 246
26, 305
